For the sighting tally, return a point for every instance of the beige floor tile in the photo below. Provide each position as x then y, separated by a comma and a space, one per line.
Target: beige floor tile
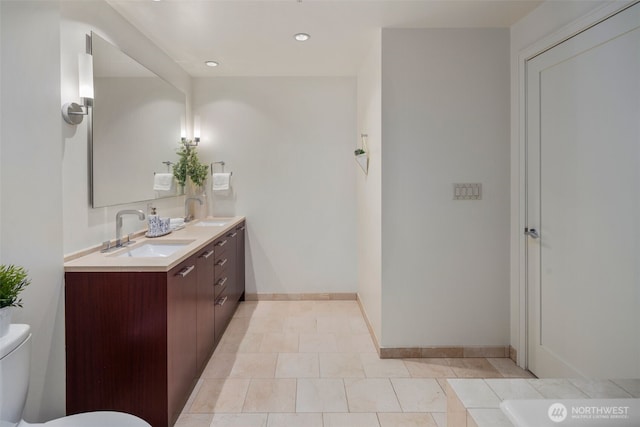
350, 420
238, 325
306, 324
333, 324
302, 308
223, 395
265, 324
271, 395
298, 365
294, 420
419, 394
355, 343
317, 343
358, 325
279, 342
340, 365
440, 418
239, 420
429, 368
240, 343
374, 367
371, 395
194, 420
473, 368
245, 309
254, 365
321, 395
219, 366
406, 420
508, 368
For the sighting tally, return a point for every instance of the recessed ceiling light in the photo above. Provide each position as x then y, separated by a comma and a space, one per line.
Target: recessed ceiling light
211, 63
302, 37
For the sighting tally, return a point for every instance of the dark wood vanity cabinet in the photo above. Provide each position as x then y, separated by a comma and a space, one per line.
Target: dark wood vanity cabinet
136, 341
205, 310
240, 265
131, 341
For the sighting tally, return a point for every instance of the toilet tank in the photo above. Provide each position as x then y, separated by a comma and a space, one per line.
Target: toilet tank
15, 349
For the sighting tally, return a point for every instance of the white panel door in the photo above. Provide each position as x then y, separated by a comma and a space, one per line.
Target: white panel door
583, 200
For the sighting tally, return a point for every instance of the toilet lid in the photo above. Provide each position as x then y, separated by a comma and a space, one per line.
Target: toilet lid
98, 419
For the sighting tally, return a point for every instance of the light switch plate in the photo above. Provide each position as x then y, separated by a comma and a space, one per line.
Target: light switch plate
467, 191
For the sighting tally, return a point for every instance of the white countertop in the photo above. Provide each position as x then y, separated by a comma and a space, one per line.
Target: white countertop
92, 260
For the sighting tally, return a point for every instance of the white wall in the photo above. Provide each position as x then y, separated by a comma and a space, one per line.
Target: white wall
369, 187
43, 166
289, 142
547, 25
445, 119
31, 188
83, 225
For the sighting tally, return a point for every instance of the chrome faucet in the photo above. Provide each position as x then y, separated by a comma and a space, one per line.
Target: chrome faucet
188, 217
119, 223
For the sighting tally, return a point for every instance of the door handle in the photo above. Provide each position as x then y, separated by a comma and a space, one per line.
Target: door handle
532, 232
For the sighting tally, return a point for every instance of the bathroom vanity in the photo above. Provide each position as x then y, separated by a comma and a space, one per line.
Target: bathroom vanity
142, 321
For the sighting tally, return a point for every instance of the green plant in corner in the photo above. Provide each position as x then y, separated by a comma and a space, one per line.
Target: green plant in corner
13, 280
189, 165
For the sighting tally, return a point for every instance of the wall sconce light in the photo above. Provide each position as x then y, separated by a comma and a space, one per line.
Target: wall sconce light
72, 112
196, 134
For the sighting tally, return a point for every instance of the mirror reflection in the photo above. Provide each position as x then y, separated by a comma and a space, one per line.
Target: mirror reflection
136, 126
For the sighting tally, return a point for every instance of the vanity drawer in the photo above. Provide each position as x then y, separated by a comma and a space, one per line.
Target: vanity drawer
224, 307
221, 264
220, 246
220, 285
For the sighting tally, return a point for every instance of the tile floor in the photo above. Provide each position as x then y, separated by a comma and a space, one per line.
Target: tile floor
313, 364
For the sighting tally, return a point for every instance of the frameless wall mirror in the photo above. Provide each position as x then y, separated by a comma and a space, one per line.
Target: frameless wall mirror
136, 127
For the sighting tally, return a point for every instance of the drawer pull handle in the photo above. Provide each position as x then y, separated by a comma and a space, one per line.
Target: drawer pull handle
232, 235
221, 282
222, 243
242, 228
207, 254
221, 262
185, 271
221, 302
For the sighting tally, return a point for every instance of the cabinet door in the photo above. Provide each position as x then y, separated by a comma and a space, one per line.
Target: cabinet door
205, 308
240, 278
232, 273
182, 297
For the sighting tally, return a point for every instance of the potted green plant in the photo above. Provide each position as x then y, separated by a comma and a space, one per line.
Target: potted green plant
363, 159
13, 280
189, 166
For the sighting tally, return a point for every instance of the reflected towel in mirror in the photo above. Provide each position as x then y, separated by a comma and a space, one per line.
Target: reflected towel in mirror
163, 181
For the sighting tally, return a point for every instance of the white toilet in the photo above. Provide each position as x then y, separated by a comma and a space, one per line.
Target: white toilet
15, 349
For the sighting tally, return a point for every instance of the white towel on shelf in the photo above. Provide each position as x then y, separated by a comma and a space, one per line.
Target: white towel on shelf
163, 181
221, 181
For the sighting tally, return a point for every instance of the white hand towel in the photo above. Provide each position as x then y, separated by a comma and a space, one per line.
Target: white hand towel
163, 181
221, 181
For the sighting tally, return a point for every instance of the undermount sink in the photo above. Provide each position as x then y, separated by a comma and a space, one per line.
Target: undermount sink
213, 223
161, 249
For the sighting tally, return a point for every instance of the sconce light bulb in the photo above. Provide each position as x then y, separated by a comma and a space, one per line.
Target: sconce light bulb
85, 75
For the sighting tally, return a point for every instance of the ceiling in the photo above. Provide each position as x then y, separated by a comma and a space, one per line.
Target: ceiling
255, 37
